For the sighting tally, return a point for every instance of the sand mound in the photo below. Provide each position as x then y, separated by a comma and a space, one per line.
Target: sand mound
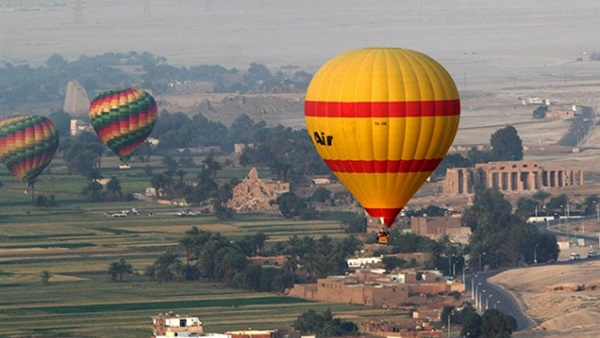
573, 320
550, 305
566, 287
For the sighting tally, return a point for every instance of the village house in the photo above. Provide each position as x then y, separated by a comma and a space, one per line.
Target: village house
361, 262
320, 180
406, 329
173, 325
377, 262
430, 312
377, 289
440, 226
251, 334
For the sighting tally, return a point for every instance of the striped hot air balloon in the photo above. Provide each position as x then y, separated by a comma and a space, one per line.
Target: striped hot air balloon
27, 145
382, 119
123, 119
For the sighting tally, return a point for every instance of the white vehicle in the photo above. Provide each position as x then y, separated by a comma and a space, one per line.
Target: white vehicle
575, 256
119, 214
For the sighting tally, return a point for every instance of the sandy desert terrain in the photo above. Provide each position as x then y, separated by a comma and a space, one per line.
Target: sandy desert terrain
564, 300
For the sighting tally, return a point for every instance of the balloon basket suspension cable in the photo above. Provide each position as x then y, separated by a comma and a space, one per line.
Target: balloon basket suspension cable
30, 186
383, 237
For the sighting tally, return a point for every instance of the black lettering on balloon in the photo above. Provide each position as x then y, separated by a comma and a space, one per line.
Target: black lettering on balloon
323, 139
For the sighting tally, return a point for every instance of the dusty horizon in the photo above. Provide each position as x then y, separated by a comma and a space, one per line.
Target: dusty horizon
478, 42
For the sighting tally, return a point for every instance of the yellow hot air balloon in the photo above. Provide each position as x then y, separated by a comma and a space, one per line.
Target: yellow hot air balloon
382, 119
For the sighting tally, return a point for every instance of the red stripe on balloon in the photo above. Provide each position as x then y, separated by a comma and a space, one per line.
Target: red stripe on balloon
382, 109
382, 167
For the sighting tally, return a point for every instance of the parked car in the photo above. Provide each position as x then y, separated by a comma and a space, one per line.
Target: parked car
592, 254
575, 256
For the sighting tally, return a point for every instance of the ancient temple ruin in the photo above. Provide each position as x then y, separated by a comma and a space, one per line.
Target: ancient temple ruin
254, 194
510, 176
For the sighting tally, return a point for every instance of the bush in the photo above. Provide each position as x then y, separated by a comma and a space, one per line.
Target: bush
45, 201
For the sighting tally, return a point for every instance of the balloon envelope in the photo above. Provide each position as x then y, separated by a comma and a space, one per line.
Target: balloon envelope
123, 119
382, 119
27, 145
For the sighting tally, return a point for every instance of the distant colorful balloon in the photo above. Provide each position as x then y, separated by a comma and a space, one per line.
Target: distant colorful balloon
382, 119
27, 145
123, 119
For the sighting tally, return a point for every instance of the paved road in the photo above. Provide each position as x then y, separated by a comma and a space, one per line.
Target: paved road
493, 296
545, 226
581, 125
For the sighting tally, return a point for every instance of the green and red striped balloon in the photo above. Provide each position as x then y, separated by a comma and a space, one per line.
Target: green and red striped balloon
27, 145
123, 119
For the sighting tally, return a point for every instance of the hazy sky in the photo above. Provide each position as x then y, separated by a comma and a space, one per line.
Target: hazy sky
467, 36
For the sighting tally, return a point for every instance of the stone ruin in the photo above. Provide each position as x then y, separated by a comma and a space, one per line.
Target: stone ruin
252, 194
77, 102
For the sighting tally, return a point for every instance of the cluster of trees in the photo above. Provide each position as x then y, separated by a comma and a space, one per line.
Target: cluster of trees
505, 145
293, 206
24, 84
324, 324
540, 112
288, 153
118, 269
502, 239
492, 323
171, 183
542, 203
211, 256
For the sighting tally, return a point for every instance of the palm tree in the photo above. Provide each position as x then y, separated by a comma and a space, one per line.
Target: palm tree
93, 191
181, 174
187, 243
324, 245
167, 267
228, 261
212, 166
163, 184
114, 186
170, 163
187, 162
45, 277
313, 265
259, 240
541, 196
118, 268
290, 266
224, 193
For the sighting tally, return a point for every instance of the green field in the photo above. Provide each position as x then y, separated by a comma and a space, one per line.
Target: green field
76, 242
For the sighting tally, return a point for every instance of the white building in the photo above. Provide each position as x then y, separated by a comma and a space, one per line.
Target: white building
170, 325
354, 263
